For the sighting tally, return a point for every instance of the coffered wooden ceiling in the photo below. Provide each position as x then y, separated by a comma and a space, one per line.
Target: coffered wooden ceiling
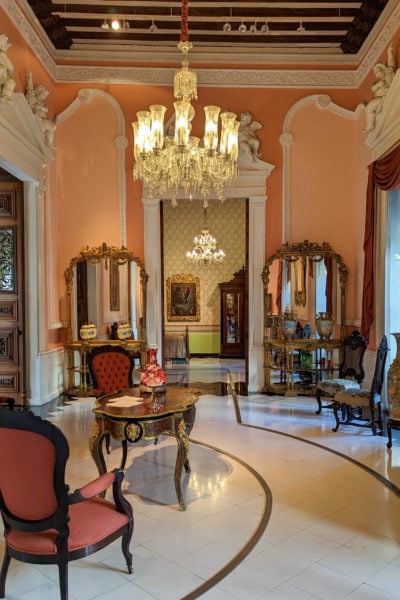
234, 27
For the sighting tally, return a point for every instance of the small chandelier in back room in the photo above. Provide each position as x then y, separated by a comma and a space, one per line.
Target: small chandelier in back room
167, 163
204, 251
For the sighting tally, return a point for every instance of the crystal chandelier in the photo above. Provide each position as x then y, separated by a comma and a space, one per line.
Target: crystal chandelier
204, 251
167, 162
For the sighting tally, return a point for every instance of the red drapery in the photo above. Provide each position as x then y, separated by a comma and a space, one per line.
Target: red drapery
383, 173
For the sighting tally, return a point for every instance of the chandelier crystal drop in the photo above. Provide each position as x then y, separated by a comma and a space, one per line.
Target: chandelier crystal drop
204, 251
167, 161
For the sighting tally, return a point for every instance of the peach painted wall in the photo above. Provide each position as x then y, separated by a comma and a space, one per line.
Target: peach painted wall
328, 189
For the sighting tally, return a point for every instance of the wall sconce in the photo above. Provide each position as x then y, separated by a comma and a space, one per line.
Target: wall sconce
105, 25
153, 27
242, 27
265, 27
227, 26
253, 28
115, 24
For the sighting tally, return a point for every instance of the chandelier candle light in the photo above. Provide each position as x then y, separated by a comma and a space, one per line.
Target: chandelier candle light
204, 251
168, 163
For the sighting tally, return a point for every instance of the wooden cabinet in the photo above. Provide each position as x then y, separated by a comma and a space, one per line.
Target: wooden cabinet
234, 316
294, 367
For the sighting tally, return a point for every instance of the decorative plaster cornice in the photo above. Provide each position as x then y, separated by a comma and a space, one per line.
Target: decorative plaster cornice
260, 78
29, 34
334, 77
385, 36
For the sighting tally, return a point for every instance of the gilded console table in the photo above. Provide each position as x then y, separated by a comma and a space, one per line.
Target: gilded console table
131, 415
294, 367
77, 353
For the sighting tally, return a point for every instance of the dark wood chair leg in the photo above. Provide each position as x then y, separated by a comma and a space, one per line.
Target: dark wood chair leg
389, 434
3, 575
63, 575
336, 406
318, 398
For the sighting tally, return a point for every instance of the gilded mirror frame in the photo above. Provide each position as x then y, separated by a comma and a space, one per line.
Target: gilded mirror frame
111, 255
306, 250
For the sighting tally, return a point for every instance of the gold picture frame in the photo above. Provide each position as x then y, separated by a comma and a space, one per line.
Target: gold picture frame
183, 298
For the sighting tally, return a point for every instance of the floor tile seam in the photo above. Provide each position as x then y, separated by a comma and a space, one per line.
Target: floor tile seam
254, 538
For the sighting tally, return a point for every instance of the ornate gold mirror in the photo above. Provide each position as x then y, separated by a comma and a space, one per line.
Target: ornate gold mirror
306, 279
106, 285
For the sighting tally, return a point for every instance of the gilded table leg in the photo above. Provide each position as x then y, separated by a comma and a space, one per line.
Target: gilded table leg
96, 444
183, 449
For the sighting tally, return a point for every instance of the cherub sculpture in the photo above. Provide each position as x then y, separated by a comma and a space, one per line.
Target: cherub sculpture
384, 74
36, 96
249, 143
7, 83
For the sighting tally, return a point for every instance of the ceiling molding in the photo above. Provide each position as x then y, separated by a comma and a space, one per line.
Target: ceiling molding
342, 72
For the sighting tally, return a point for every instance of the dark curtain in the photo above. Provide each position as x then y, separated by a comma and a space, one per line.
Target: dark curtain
383, 173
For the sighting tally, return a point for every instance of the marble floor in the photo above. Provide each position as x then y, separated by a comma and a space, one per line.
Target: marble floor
279, 507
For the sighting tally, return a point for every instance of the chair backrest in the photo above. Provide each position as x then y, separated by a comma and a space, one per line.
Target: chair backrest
379, 373
111, 368
33, 494
354, 346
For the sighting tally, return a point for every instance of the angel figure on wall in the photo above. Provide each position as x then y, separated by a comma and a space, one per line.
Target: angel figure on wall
7, 83
384, 74
249, 143
36, 96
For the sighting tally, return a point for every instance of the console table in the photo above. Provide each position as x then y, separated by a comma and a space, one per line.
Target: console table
293, 367
132, 415
77, 352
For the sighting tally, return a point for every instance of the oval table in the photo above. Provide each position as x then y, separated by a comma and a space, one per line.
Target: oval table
132, 415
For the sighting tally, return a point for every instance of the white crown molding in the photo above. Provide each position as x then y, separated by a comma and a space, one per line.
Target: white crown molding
258, 78
342, 73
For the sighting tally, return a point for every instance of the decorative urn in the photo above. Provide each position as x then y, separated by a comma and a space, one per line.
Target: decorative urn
88, 332
289, 324
124, 331
324, 324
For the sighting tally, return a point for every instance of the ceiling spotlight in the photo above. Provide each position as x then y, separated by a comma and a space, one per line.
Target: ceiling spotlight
227, 27
265, 27
115, 24
105, 25
253, 28
153, 27
300, 28
242, 27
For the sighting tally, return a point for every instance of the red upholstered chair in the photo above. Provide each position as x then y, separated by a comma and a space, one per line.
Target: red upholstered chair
43, 522
111, 369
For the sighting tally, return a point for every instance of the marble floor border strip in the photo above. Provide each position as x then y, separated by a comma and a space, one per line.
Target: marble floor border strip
254, 538
386, 482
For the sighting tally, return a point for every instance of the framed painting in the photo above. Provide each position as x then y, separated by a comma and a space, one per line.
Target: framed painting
183, 298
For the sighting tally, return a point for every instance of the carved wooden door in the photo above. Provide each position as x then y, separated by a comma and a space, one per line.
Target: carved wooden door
12, 372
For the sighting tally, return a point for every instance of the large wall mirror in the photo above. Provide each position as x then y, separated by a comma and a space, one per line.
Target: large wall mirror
306, 279
106, 285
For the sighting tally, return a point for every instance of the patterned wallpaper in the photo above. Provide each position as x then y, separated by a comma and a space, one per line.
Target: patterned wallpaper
226, 221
